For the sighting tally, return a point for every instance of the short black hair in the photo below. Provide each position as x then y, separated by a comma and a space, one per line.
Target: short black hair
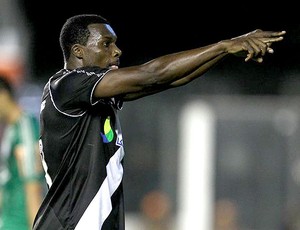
6, 86
75, 31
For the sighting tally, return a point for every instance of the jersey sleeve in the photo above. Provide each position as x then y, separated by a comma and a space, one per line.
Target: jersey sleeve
72, 93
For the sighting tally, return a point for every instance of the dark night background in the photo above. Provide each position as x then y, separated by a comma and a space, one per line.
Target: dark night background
148, 29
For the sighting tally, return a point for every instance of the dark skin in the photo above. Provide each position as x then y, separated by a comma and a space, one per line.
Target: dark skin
165, 72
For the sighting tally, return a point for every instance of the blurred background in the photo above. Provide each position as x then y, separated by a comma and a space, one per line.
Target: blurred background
221, 153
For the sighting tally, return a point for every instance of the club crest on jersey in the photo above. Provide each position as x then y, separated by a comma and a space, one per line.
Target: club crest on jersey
119, 140
108, 134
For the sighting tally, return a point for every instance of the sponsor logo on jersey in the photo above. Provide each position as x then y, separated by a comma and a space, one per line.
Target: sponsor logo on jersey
108, 134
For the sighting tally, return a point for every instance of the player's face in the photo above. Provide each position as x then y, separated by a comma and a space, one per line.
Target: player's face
101, 49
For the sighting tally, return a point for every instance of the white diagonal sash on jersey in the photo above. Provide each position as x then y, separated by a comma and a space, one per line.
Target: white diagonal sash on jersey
100, 207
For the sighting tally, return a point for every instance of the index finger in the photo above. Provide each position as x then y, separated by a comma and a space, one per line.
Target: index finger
272, 33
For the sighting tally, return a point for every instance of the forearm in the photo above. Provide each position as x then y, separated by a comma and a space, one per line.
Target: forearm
178, 66
198, 72
178, 69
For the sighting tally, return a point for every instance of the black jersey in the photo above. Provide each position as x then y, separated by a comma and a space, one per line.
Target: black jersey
82, 151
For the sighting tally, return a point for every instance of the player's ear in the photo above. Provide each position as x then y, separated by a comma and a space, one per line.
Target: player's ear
77, 51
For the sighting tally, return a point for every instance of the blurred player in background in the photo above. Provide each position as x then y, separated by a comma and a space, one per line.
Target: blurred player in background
21, 176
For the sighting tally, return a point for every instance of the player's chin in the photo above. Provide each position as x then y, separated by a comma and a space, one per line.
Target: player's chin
113, 67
